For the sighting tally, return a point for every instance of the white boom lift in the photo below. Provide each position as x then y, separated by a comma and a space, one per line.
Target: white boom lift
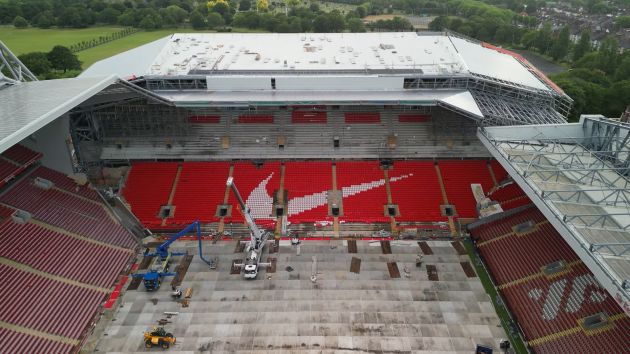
256, 243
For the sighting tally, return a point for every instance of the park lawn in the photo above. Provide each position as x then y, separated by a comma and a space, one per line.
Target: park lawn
27, 40
92, 55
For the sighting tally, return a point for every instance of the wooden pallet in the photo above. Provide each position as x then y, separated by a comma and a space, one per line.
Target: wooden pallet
393, 270
355, 265
426, 249
352, 246
386, 247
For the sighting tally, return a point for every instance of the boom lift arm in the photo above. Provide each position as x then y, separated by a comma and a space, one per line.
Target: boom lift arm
257, 233
257, 242
159, 267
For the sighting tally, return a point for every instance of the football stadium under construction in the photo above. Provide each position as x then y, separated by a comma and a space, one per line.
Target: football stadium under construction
318, 192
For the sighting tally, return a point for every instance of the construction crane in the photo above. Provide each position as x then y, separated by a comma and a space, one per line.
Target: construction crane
162, 258
256, 243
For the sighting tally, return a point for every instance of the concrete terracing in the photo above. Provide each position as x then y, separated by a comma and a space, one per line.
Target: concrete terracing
341, 312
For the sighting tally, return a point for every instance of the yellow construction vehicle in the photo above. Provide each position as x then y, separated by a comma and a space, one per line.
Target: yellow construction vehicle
158, 337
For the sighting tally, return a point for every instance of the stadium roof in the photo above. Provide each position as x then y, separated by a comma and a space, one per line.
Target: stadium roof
578, 176
26, 107
429, 54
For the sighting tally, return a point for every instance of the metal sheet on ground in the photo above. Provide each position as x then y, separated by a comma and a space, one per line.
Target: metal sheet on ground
352, 246
432, 273
386, 247
134, 284
234, 269
272, 267
459, 248
468, 269
426, 249
393, 270
181, 270
355, 265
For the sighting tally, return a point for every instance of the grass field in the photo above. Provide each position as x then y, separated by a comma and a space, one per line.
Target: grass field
42, 40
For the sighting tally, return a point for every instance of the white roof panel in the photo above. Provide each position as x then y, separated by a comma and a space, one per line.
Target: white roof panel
135, 61
29, 106
489, 62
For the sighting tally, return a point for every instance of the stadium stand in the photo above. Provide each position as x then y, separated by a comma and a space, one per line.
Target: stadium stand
308, 116
68, 211
509, 196
307, 184
549, 306
457, 177
413, 118
60, 254
363, 188
18, 342
499, 172
63, 182
204, 119
147, 188
255, 119
248, 177
418, 195
362, 117
22, 155
46, 305
200, 188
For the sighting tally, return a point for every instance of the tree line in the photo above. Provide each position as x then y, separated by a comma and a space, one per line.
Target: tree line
598, 77
60, 62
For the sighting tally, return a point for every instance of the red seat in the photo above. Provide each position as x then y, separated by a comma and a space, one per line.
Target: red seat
362, 117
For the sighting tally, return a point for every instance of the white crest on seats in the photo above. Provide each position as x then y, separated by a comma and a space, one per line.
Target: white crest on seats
260, 202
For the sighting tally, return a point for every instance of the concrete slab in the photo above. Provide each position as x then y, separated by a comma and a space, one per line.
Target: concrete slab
285, 312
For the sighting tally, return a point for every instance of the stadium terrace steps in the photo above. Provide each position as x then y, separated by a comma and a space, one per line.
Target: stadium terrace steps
545, 306
147, 189
614, 340
22, 155
549, 308
248, 177
67, 212
62, 181
458, 176
307, 185
363, 188
200, 189
46, 305
424, 204
509, 196
19, 342
61, 254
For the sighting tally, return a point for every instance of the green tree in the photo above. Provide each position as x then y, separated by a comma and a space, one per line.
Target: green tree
583, 45
608, 54
623, 71
197, 21
20, 22
61, 58
109, 16
245, 5
560, 47
215, 20
36, 62
356, 25
45, 19
148, 23
543, 38
439, 23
